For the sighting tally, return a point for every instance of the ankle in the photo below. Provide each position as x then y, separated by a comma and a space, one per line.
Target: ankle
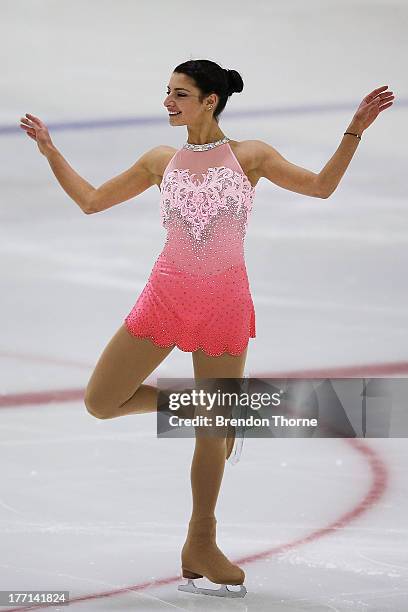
202, 529
198, 518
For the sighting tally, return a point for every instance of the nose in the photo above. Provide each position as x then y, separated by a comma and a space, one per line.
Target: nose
168, 104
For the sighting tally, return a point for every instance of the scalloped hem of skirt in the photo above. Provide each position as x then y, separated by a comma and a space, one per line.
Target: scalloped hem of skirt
183, 348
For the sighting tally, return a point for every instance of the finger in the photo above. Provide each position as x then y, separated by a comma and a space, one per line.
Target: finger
386, 96
27, 128
379, 89
385, 106
34, 119
31, 133
375, 92
380, 101
376, 101
26, 121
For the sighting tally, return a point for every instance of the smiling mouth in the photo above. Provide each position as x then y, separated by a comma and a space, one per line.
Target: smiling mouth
174, 114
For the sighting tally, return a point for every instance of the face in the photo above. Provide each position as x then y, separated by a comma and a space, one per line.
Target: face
183, 98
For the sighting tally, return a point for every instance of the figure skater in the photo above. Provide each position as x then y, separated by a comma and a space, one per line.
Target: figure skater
197, 296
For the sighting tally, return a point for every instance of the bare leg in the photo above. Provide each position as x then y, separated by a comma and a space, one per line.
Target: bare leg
115, 387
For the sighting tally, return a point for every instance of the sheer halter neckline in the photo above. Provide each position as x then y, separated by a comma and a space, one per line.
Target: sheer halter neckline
206, 146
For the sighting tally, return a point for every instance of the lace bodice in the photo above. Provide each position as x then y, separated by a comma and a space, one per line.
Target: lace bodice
205, 203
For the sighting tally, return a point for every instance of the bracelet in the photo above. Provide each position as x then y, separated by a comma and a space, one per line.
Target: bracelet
352, 134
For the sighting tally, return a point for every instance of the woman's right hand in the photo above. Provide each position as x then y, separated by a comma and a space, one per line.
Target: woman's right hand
37, 130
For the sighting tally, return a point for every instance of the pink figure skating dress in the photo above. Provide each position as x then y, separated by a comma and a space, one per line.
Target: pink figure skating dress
197, 295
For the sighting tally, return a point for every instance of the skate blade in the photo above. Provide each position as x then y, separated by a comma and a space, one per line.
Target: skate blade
236, 452
223, 591
235, 456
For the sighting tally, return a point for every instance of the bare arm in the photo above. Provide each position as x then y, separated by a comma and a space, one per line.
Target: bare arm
333, 172
368, 110
123, 187
129, 184
273, 166
295, 178
72, 183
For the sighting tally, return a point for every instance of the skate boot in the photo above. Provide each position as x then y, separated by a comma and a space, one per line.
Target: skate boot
201, 557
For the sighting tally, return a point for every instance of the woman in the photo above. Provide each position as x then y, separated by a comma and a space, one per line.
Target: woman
197, 297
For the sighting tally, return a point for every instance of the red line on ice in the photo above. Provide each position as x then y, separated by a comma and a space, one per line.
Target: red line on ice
378, 486
69, 395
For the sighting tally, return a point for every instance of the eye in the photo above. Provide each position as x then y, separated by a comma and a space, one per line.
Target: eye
180, 95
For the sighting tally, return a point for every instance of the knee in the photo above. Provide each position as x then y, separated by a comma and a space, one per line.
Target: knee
93, 406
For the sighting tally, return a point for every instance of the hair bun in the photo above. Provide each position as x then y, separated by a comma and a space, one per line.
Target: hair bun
235, 82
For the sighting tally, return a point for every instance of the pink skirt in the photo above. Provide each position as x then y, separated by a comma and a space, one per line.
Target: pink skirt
214, 312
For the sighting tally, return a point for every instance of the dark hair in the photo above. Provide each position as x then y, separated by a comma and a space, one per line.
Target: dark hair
210, 78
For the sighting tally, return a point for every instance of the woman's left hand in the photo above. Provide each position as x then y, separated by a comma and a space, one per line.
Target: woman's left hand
371, 106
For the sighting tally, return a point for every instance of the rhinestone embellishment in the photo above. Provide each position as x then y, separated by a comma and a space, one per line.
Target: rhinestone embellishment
199, 203
206, 146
